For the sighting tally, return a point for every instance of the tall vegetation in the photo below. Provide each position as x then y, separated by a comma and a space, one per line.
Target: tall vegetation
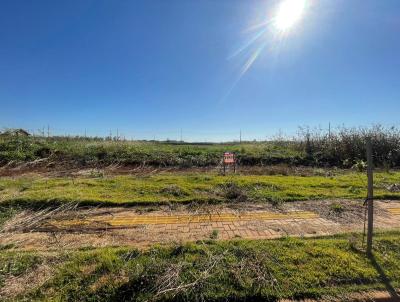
346, 147
343, 147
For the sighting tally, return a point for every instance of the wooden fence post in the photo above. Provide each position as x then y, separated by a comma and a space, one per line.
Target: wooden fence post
370, 198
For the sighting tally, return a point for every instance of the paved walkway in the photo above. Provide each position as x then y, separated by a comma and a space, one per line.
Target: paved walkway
127, 227
130, 220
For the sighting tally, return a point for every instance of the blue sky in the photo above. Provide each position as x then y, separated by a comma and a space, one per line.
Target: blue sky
151, 68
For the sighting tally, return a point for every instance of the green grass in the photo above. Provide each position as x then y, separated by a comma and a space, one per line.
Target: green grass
220, 271
6, 213
16, 264
189, 187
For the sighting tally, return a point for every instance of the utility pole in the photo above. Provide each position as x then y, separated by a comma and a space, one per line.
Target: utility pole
370, 198
117, 135
48, 131
329, 135
240, 136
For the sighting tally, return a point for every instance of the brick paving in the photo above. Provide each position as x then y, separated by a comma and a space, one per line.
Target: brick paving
126, 221
129, 228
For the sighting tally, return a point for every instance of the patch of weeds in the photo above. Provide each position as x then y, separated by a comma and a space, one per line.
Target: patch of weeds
147, 210
7, 213
232, 191
88, 183
174, 190
96, 174
214, 234
202, 178
360, 165
393, 188
354, 190
346, 163
129, 255
7, 246
337, 208
276, 201
319, 172
264, 186
43, 152
354, 242
16, 264
24, 187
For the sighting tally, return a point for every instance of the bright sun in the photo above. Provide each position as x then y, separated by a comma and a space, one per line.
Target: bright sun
289, 12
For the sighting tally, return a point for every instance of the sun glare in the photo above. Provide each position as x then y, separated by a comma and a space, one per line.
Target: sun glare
289, 12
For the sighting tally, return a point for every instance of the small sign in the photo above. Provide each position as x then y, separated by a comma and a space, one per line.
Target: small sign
229, 159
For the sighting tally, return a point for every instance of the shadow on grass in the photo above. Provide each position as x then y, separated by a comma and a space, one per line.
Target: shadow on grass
394, 296
40, 204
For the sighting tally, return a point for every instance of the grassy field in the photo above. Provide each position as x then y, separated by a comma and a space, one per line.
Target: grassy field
344, 147
190, 187
212, 271
99, 152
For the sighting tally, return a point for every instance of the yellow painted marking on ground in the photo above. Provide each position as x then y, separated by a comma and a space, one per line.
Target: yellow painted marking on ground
394, 211
185, 219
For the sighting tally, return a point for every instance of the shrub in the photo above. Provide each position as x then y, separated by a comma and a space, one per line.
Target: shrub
346, 145
233, 192
337, 208
360, 165
174, 190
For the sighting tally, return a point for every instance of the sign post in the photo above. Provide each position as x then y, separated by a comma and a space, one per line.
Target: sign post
229, 159
370, 198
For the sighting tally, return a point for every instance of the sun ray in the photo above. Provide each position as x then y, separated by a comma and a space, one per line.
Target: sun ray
248, 43
244, 69
252, 59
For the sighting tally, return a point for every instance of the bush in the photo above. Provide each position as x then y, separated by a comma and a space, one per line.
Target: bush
360, 165
233, 192
348, 145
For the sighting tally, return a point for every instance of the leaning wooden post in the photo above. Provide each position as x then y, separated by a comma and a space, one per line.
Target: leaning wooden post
370, 198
